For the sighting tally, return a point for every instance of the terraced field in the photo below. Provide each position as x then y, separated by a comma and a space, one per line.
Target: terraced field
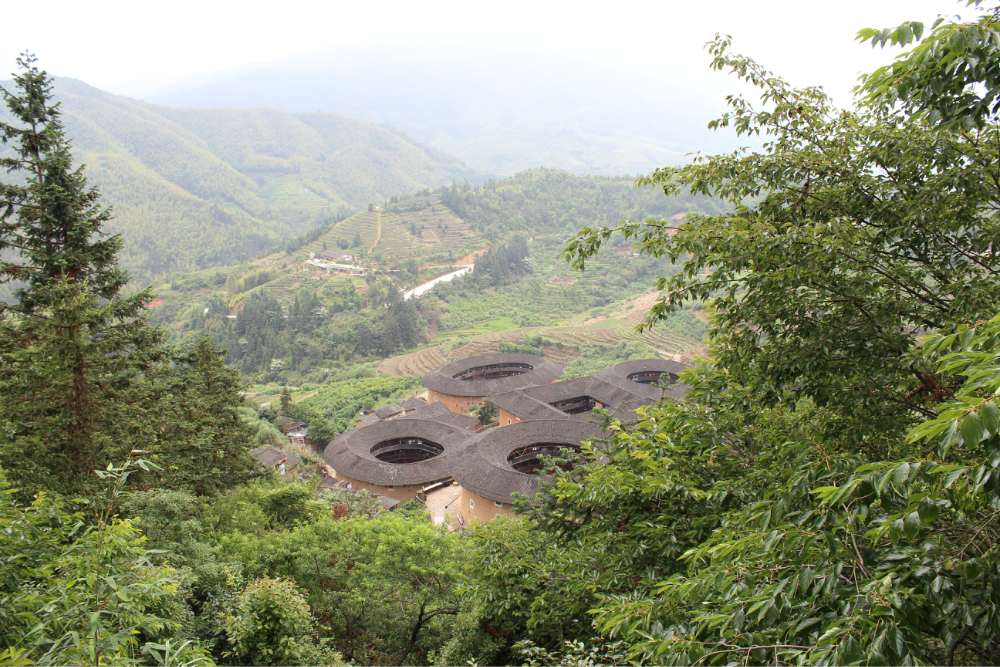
416, 363
285, 287
443, 237
439, 230
573, 338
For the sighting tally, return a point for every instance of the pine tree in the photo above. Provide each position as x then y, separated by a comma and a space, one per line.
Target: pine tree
73, 351
203, 445
85, 378
54, 221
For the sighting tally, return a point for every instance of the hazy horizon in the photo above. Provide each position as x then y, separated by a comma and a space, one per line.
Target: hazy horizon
137, 49
592, 87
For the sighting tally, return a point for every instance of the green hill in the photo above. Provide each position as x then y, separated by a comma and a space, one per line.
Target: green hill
283, 317
194, 188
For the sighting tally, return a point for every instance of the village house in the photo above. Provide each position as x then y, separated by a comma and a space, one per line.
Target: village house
284, 463
296, 430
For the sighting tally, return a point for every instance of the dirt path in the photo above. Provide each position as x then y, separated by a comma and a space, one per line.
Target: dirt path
378, 231
305, 397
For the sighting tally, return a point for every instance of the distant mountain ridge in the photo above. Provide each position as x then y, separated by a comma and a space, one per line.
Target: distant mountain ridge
193, 188
501, 112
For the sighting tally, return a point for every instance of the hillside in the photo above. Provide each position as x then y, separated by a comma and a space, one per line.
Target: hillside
290, 315
193, 188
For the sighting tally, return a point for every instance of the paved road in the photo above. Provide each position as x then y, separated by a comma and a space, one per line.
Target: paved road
420, 290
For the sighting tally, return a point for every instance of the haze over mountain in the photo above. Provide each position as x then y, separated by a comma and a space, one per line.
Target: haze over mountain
498, 111
199, 187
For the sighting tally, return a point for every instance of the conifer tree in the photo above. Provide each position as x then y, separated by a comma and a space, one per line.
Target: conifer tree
54, 221
85, 378
203, 444
73, 350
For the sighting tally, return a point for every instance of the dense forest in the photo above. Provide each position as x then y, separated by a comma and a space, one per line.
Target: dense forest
549, 200
827, 492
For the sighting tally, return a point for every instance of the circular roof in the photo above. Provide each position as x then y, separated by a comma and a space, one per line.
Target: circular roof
619, 375
445, 380
350, 453
481, 464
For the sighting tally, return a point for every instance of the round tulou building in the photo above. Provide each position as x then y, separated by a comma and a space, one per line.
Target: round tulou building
398, 458
463, 385
402, 450
494, 465
649, 379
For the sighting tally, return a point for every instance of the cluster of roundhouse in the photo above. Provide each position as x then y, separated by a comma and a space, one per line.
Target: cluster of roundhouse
410, 448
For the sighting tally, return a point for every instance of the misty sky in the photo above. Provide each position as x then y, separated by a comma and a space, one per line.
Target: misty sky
135, 48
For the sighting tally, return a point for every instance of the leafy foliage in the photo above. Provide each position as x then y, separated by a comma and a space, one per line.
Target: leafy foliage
852, 233
272, 624
80, 589
952, 76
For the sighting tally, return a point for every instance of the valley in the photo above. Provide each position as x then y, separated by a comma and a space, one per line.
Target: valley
294, 389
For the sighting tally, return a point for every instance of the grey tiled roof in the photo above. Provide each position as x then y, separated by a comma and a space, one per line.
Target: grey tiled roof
611, 387
481, 465
442, 380
350, 452
421, 409
413, 403
271, 457
329, 483
291, 424
387, 411
440, 412
388, 503
618, 375
462, 421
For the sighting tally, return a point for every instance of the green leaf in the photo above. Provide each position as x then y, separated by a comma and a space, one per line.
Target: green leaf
973, 568
901, 474
928, 510
911, 526
952, 476
972, 429
896, 530
991, 416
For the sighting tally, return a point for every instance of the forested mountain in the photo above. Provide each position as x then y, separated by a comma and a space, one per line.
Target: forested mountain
193, 188
502, 111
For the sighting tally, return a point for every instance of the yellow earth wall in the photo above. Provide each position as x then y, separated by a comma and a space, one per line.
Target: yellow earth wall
459, 404
507, 418
401, 493
476, 508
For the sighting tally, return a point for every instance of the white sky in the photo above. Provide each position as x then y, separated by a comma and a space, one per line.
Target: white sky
139, 46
